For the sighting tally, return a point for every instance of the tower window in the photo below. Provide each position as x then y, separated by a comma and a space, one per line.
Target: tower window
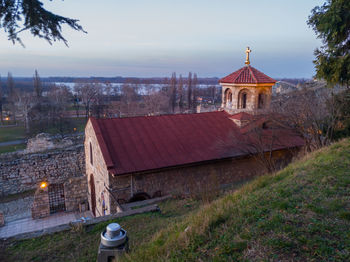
261, 101
91, 156
244, 100
228, 98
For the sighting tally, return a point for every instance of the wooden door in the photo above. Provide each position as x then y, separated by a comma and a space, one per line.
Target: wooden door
93, 194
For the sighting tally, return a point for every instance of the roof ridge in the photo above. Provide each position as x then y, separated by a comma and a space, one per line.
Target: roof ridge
171, 115
239, 71
252, 73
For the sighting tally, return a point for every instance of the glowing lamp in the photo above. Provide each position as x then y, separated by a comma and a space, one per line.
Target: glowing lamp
7, 118
43, 184
74, 129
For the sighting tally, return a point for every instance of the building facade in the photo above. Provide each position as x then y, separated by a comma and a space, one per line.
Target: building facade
136, 158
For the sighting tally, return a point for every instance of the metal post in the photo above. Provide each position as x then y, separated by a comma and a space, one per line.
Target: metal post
114, 242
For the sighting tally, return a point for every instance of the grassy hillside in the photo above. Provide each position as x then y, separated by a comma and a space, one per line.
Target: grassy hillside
82, 245
300, 214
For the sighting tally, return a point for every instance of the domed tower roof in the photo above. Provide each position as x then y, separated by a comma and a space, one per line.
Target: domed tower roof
247, 75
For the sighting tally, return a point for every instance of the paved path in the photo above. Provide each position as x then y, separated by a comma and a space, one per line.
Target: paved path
27, 225
17, 209
14, 142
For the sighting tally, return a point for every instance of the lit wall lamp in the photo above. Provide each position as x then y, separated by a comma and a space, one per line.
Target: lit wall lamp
43, 185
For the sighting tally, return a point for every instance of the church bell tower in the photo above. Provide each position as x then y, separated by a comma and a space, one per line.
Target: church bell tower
246, 90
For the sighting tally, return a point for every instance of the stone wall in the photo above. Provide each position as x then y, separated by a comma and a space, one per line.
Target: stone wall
22, 172
44, 142
75, 192
97, 173
191, 180
252, 97
40, 207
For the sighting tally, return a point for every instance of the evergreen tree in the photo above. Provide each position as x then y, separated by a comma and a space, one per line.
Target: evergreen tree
331, 22
17, 16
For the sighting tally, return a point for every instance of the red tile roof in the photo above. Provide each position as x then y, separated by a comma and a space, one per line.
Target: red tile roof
242, 116
247, 75
137, 144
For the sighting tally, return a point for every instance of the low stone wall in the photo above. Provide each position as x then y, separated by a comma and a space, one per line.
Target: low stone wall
22, 172
75, 193
40, 207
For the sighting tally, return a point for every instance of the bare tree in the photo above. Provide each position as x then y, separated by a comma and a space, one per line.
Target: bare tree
25, 103
1, 103
189, 91
195, 92
173, 90
11, 95
129, 96
181, 94
155, 101
262, 137
87, 93
312, 112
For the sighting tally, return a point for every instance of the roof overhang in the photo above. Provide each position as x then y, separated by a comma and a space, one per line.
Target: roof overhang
247, 85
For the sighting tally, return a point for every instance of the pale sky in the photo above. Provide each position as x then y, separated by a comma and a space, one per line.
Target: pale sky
156, 37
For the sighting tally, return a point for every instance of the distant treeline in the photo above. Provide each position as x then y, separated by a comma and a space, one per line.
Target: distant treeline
294, 81
26, 83
117, 79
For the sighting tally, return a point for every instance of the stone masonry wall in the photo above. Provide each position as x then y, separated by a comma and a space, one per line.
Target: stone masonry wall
252, 97
97, 174
19, 173
191, 180
75, 192
40, 207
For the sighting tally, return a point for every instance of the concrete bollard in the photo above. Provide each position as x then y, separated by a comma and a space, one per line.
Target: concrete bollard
114, 242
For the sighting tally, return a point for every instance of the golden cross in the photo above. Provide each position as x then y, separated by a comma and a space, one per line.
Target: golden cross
247, 51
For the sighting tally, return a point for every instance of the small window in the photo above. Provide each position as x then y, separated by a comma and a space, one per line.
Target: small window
244, 100
91, 157
264, 125
261, 101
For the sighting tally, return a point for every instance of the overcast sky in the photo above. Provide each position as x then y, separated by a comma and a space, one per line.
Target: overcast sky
156, 37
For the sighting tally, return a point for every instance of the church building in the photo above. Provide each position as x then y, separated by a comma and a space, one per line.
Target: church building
246, 90
136, 158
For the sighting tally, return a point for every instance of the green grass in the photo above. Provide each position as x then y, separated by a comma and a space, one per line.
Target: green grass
299, 214
12, 148
82, 245
12, 133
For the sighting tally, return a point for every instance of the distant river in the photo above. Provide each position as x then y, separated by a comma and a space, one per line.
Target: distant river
142, 88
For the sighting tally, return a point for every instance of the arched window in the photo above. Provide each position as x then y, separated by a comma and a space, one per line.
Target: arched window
228, 98
261, 101
91, 157
242, 99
